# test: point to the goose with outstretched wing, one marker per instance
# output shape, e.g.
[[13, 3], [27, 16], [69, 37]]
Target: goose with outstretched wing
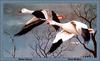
[[69, 30], [37, 19]]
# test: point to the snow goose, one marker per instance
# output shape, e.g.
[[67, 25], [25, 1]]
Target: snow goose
[[70, 29], [37, 19], [59, 39]]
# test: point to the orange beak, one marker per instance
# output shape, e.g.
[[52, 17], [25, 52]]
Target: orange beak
[[60, 17], [91, 30]]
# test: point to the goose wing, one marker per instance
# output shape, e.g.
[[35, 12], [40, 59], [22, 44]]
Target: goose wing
[[29, 25], [85, 34], [55, 18], [84, 31], [59, 39]]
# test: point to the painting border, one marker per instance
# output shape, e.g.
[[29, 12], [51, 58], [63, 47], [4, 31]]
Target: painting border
[[49, 2]]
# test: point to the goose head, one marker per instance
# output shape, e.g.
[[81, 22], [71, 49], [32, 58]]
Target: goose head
[[24, 10]]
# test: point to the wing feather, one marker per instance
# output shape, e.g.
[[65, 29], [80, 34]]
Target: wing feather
[[55, 18], [59, 39], [29, 26]]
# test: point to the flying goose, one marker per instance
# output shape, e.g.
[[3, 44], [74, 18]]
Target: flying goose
[[37, 19], [69, 30]]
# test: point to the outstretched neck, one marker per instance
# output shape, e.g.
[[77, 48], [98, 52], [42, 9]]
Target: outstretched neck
[[30, 11], [55, 23], [58, 24]]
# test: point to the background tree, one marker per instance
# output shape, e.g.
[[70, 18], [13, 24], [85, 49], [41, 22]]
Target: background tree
[[43, 41], [12, 52], [87, 14]]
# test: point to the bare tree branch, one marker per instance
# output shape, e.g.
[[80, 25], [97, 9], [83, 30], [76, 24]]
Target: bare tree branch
[[37, 51], [8, 52], [93, 18], [13, 45], [43, 42], [88, 16], [85, 46]]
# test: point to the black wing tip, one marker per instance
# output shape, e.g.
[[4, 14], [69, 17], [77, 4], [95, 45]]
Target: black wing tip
[[54, 46], [49, 52], [17, 35], [87, 40], [20, 33], [86, 35], [56, 27]]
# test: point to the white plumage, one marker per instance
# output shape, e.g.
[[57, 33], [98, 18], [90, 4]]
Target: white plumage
[[69, 30], [38, 15], [62, 35]]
